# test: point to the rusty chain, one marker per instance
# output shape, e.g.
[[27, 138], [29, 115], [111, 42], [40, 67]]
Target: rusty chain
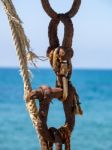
[[60, 60]]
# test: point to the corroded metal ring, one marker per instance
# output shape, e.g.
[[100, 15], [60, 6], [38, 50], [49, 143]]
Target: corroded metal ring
[[52, 33], [44, 94], [68, 31], [72, 12]]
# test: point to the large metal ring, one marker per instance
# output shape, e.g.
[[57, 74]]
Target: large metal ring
[[45, 95], [72, 12], [68, 31]]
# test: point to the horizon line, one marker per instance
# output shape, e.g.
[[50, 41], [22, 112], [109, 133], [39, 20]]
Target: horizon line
[[33, 68]]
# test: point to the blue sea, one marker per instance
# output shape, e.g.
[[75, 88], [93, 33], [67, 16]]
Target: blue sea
[[93, 130]]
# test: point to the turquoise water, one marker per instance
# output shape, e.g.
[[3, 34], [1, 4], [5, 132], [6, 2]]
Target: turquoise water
[[93, 131]]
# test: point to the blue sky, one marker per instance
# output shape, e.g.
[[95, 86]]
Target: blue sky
[[92, 40]]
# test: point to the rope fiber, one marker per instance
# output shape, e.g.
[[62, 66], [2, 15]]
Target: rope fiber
[[22, 46]]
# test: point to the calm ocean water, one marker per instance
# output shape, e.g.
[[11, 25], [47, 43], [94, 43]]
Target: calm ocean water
[[93, 131]]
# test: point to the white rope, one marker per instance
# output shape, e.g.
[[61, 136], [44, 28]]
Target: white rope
[[22, 47]]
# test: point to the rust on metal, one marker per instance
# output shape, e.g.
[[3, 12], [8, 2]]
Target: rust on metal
[[60, 59]]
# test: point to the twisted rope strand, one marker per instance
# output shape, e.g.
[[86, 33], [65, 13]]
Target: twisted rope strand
[[22, 44]]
